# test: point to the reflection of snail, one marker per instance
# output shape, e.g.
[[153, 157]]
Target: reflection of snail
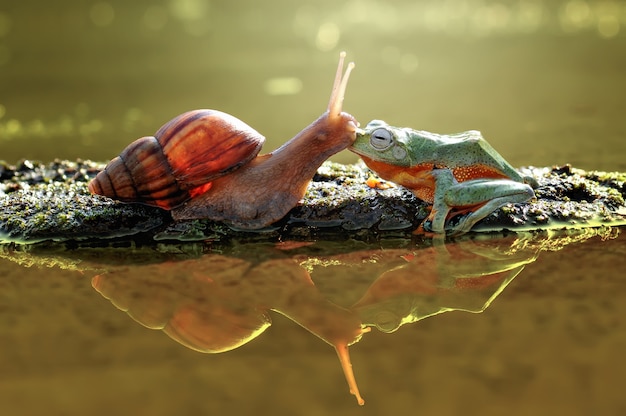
[[203, 315], [208, 306], [208, 159]]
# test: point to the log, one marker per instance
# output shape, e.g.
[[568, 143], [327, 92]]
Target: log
[[40, 202]]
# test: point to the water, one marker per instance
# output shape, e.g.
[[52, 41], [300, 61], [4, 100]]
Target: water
[[75, 327], [542, 82]]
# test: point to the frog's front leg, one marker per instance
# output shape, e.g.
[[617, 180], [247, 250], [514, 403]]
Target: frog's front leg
[[480, 197], [444, 180]]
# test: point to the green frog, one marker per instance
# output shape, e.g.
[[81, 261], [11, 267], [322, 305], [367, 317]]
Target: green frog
[[457, 174]]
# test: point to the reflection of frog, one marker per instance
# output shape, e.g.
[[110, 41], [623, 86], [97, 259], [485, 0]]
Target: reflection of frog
[[465, 276], [457, 174]]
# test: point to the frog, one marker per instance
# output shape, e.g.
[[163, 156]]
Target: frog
[[459, 175]]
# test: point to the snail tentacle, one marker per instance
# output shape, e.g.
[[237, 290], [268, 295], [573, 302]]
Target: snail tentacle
[[339, 87]]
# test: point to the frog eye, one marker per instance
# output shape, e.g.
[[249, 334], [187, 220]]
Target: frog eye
[[381, 139]]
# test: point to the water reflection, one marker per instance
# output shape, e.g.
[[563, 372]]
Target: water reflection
[[215, 300]]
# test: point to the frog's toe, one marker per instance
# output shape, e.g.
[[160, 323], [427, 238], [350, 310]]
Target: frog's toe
[[460, 224], [529, 180]]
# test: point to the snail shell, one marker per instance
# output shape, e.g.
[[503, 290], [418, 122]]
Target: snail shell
[[180, 160]]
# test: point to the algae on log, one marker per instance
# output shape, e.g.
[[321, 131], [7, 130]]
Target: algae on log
[[51, 202]]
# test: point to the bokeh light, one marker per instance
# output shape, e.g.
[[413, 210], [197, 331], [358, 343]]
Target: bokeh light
[[106, 71], [102, 14]]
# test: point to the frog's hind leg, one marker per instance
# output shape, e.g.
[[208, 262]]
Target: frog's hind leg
[[491, 194], [466, 223]]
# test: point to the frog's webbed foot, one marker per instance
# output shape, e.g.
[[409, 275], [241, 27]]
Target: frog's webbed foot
[[436, 221]]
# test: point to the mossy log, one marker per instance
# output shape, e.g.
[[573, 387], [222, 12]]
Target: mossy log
[[41, 202]]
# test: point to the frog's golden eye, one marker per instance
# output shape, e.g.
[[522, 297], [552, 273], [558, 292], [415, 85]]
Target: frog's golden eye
[[381, 139]]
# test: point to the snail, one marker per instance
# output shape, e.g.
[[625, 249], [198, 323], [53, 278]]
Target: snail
[[204, 164]]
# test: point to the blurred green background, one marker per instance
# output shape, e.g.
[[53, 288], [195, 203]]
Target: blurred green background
[[543, 80]]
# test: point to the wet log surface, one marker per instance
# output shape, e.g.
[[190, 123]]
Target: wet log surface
[[41, 202]]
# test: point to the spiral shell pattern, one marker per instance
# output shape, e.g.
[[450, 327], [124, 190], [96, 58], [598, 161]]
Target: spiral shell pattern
[[184, 156]]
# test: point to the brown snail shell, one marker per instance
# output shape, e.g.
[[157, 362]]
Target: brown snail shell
[[180, 160]]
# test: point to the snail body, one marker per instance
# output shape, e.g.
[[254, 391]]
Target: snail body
[[204, 164]]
